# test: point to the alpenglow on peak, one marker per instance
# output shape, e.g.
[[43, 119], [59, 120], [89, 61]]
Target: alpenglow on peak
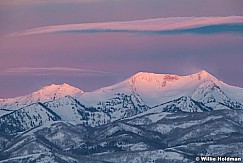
[[58, 91], [146, 76]]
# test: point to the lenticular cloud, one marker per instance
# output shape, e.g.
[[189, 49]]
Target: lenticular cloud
[[160, 25]]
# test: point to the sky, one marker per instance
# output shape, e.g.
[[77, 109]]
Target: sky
[[103, 42]]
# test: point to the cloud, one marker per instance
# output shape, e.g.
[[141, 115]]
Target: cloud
[[173, 25], [52, 71]]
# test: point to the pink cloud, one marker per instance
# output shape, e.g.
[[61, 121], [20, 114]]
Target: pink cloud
[[149, 25], [50, 71]]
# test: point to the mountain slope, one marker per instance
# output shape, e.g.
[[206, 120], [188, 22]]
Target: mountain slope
[[26, 118], [211, 95], [159, 137], [70, 110], [182, 104]]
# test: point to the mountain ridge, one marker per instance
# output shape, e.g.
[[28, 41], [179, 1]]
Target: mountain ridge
[[147, 117], [141, 92], [203, 74], [153, 89]]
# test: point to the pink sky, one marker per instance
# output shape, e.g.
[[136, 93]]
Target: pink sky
[[102, 59]]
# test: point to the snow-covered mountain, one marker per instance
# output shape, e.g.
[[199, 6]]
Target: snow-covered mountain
[[143, 91], [157, 88], [45, 94], [155, 137], [141, 114]]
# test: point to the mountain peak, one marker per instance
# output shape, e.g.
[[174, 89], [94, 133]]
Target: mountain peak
[[56, 86], [204, 75], [203, 72], [148, 84], [47, 93], [58, 90]]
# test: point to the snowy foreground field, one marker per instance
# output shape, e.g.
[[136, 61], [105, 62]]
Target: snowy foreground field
[[146, 118]]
